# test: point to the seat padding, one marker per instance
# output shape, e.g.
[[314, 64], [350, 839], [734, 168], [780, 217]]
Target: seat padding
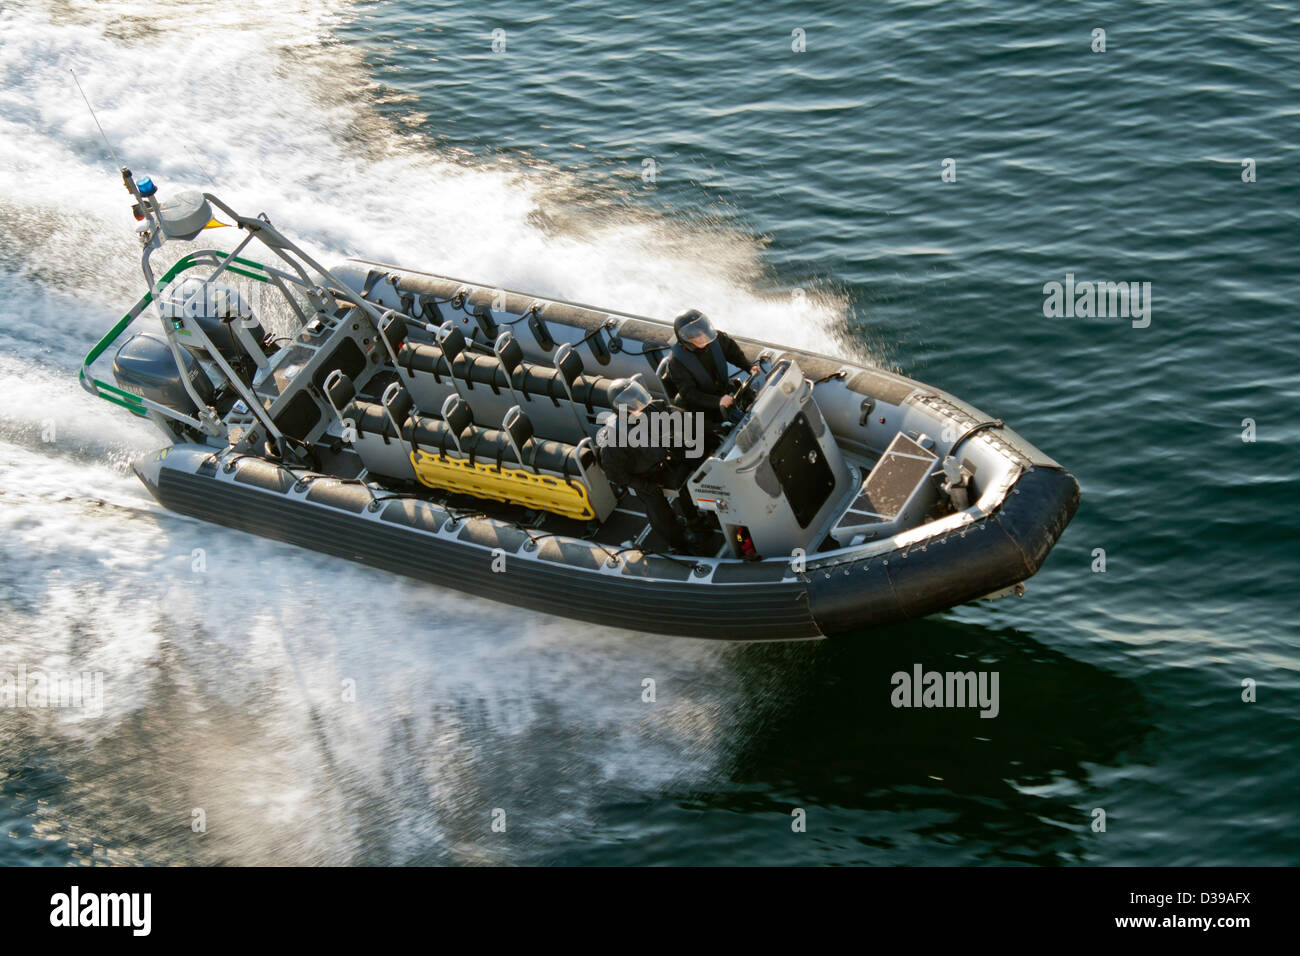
[[369, 418], [529, 379]]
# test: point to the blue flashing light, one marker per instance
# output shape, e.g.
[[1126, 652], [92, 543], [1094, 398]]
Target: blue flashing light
[[146, 187]]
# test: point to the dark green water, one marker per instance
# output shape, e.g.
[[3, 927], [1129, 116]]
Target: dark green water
[[395, 131]]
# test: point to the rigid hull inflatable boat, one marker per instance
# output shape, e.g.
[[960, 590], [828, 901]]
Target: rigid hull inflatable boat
[[450, 432]]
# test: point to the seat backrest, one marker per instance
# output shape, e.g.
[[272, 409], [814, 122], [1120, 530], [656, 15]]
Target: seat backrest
[[509, 351], [518, 429], [394, 330], [398, 402], [457, 415], [452, 340], [339, 390], [569, 364]]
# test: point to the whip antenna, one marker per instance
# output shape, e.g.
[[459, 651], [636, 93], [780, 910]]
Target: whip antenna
[[95, 118]]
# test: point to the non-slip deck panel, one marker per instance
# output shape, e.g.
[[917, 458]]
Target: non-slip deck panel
[[745, 612], [994, 552]]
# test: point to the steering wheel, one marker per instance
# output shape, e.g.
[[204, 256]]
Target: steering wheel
[[741, 389]]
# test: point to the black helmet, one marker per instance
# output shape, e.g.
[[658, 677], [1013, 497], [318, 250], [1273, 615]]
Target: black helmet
[[630, 392], [692, 324]]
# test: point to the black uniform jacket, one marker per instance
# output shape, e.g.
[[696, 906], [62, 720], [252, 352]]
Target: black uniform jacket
[[698, 375], [641, 469]]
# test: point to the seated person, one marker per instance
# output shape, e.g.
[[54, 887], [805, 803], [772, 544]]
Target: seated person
[[698, 369], [648, 470]]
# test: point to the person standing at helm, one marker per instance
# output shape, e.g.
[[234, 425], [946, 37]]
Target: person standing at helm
[[698, 369], [649, 469]]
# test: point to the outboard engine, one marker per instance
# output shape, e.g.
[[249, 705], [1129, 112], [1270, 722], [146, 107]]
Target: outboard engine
[[146, 366]]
